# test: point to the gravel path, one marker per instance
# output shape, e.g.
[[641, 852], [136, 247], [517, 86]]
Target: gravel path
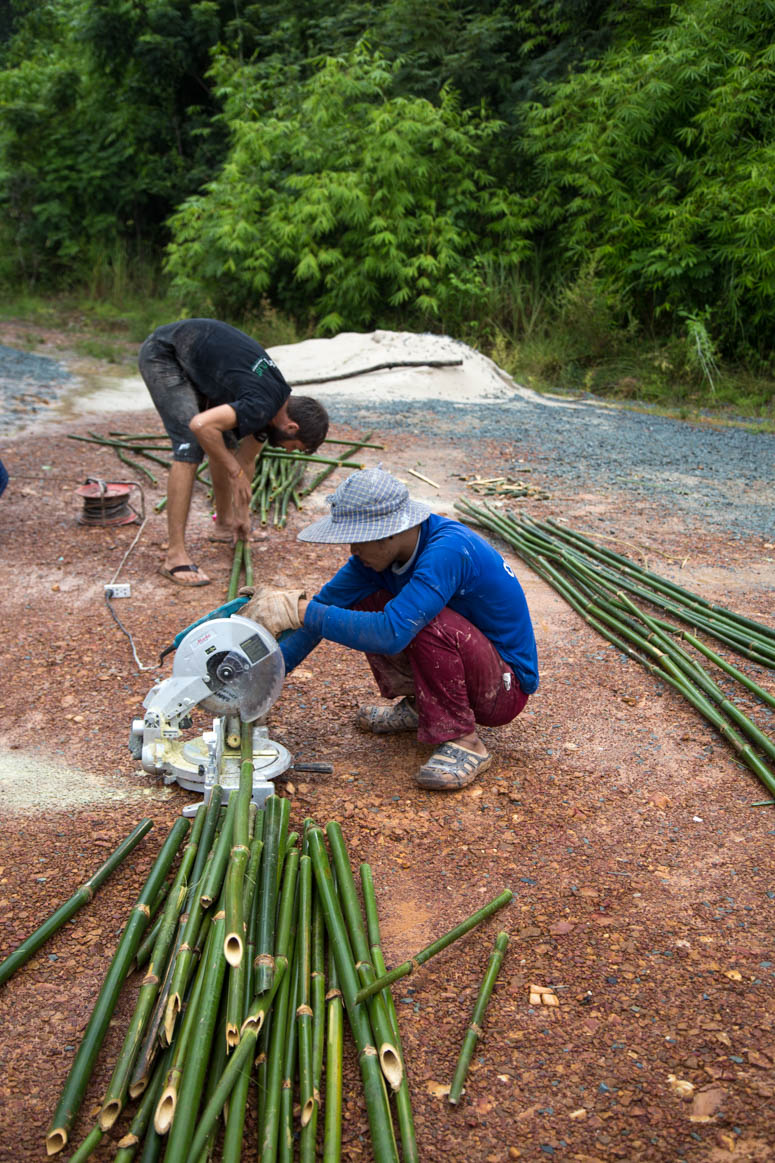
[[720, 477]]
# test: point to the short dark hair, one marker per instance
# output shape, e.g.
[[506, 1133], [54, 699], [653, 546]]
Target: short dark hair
[[312, 419]]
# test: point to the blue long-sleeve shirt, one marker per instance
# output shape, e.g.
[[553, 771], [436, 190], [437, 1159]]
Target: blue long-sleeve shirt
[[452, 566]]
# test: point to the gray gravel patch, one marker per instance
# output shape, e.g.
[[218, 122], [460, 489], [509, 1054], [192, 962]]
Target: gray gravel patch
[[28, 383], [722, 478]]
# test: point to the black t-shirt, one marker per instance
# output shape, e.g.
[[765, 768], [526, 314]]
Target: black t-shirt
[[228, 367]]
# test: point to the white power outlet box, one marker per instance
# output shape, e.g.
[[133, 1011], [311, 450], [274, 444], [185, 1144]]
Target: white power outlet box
[[121, 590]]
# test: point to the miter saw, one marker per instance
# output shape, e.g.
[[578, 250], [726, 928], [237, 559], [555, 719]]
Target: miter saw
[[233, 668]]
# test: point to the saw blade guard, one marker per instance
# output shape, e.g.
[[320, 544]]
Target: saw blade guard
[[240, 663]]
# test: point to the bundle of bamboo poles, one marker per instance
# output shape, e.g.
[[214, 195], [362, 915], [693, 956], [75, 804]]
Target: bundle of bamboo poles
[[258, 952], [601, 586], [278, 480]]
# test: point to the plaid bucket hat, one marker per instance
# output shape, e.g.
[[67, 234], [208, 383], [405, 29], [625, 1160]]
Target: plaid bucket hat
[[369, 505]]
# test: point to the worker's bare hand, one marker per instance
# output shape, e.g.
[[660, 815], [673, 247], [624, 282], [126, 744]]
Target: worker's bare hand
[[277, 610], [242, 526]]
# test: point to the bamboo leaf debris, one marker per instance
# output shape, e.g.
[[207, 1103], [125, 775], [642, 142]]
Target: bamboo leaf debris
[[262, 934], [664, 630]]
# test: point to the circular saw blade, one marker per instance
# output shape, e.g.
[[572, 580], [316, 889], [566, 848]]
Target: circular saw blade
[[240, 662]]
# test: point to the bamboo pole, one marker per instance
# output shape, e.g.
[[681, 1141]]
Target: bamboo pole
[[436, 946], [404, 1114], [142, 1122], [236, 570], [308, 1137], [474, 1031], [382, 1134], [168, 1099], [389, 1058], [83, 896], [332, 1125], [116, 1093], [264, 964], [238, 1062], [195, 1067], [303, 1007], [80, 1072]]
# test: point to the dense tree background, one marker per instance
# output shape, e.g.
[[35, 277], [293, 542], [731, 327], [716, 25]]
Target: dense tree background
[[422, 163]]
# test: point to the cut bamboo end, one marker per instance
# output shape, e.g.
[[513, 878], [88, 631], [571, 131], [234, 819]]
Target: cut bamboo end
[[308, 1110], [128, 1141], [233, 949], [165, 1110], [109, 1114], [173, 1008], [138, 1087], [232, 1035], [56, 1140], [392, 1067]]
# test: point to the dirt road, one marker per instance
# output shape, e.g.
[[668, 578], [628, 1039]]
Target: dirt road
[[643, 892]]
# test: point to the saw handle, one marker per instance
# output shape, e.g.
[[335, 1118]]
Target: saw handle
[[224, 611]]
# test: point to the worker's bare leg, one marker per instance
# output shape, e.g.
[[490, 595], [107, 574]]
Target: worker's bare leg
[[224, 508], [180, 485]]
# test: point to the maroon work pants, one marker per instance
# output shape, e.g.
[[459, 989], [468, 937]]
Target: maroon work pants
[[455, 673]]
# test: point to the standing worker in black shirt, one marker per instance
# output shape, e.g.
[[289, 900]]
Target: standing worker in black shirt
[[219, 394]]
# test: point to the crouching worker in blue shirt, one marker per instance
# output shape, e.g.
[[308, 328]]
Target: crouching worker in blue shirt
[[439, 614]]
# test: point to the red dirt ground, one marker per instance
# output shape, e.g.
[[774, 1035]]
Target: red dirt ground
[[642, 875]]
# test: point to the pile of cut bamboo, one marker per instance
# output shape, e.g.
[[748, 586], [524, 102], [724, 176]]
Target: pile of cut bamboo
[[600, 585], [259, 949]]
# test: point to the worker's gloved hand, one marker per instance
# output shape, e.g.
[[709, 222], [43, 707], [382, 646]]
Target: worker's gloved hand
[[278, 610]]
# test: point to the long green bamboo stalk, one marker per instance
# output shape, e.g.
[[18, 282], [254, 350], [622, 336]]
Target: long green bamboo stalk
[[389, 1058], [303, 1007], [289, 1054], [404, 1114], [264, 964], [474, 1031], [63, 914], [80, 1072], [116, 1093], [269, 1129], [236, 570], [168, 1099], [436, 946], [334, 1053], [143, 1116], [382, 1134], [308, 1137], [194, 1070], [239, 1060]]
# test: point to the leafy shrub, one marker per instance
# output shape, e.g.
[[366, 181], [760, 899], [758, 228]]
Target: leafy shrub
[[346, 204]]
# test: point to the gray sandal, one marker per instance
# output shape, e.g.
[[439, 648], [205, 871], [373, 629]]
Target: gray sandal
[[401, 716], [450, 767]]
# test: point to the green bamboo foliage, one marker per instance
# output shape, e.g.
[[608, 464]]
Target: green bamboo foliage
[[83, 896], [435, 947], [474, 1031], [80, 1072]]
